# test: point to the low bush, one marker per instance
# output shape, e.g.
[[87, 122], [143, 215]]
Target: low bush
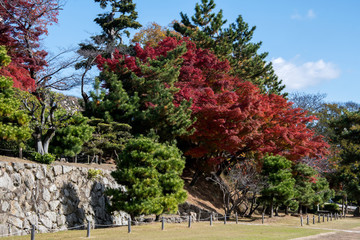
[[332, 207], [93, 173], [47, 158]]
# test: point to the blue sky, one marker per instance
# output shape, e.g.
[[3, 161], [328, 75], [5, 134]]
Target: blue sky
[[314, 45]]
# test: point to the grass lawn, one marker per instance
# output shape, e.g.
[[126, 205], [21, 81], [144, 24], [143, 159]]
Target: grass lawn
[[277, 228]]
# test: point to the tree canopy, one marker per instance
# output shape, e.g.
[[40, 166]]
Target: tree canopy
[[206, 29]]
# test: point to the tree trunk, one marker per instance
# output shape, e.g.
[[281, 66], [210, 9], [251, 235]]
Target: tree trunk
[[346, 205], [286, 210], [195, 177], [277, 211], [48, 137], [39, 146], [271, 208]]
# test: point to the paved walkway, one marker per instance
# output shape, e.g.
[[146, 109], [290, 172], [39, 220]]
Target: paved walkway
[[338, 234]]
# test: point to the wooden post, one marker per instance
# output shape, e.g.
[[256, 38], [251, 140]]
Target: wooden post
[[319, 218], [236, 218], [313, 219], [307, 219], [225, 218], [32, 232], [88, 159], [162, 223], [20, 153], [211, 220], [189, 221], [129, 225], [88, 229], [301, 220], [262, 218]]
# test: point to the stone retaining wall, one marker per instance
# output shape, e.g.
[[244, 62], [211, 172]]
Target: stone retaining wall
[[52, 197]]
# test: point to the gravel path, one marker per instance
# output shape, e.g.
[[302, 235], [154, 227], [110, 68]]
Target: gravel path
[[336, 235]]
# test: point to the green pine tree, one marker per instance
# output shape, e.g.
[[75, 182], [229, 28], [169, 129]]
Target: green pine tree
[[277, 172], [310, 189], [114, 25], [150, 172], [108, 139], [233, 43], [345, 134], [69, 140], [145, 102]]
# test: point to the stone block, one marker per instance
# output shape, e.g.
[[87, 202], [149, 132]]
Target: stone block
[[5, 206], [46, 195], [29, 179], [40, 174], [6, 182], [16, 179], [16, 210], [42, 229], [46, 221], [18, 166], [66, 169], [51, 216], [9, 168], [57, 170], [3, 218], [54, 205], [15, 221], [60, 220]]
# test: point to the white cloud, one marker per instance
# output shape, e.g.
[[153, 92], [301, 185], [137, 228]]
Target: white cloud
[[299, 76], [309, 15]]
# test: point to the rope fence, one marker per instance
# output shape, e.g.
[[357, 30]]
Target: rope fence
[[187, 218]]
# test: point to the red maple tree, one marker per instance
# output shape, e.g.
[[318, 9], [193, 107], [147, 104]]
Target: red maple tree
[[233, 117], [22, 24]]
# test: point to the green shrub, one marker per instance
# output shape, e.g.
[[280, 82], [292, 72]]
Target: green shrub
[[93, 173], [47, 158], [332, 207]]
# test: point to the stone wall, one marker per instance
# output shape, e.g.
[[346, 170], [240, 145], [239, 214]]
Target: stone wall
[[52, 197]]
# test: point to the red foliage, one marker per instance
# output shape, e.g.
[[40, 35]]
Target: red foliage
[[233, 117], [22, 24]]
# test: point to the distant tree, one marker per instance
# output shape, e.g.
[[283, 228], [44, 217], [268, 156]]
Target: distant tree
[[14, 123], [310, 188], [280, 183], [150, 172], [312, 103], [152, 34], [233, 43], [114, 25], [346, 129]]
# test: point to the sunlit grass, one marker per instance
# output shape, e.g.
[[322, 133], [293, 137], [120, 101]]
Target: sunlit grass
[[277, 228]]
